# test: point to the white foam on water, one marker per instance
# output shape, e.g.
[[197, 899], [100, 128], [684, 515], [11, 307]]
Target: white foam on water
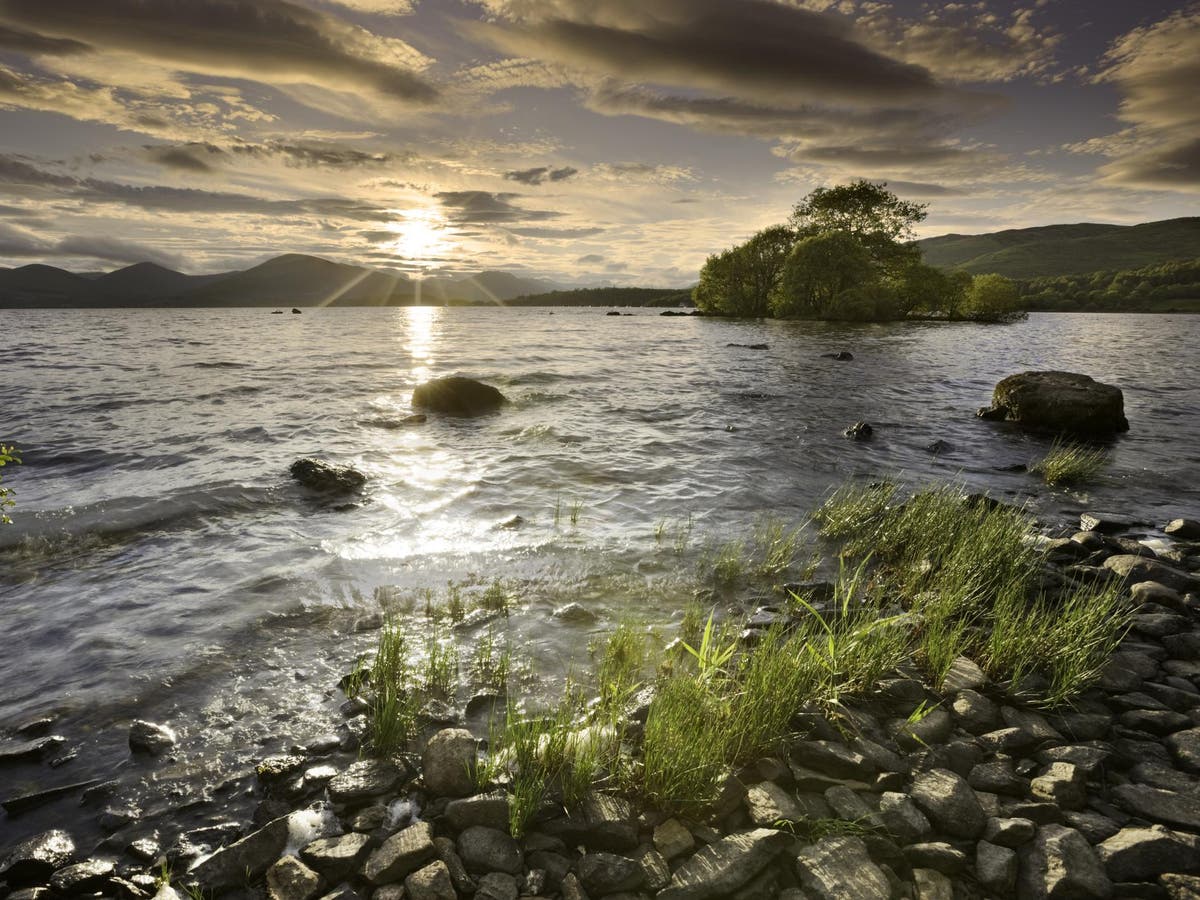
[[308, 825], [401, 813]]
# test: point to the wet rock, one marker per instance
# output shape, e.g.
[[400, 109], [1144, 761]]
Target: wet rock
[[147, 737], [243, 860], [1157, 805], [25, 751], [671, 839], [722, 867], [274, 769], [1061, 402], [937, 855], [83, 878], [1134, 569], [996, 868], [430, 883], [448, 853], [364, 779], [1060, 863], [290, 879], [489, 809], [840, 867], [939, 447], [1185, 749], [949, 802], [401, 854], [457, 396], [448, 763], [489, 850], [326, 478], [607, 873], [860, 431], [496, 886], [25, 802], [1104, 523], [840, 355], [1141, 854], [574, 612], [336, 857], [1184, 529]]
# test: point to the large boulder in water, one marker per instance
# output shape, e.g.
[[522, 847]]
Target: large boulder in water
[[458, 396], [1064, 402], [326, 478]]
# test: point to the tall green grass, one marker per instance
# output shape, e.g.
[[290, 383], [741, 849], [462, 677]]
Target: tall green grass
[[1069, 462]]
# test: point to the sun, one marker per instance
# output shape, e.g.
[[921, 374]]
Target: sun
[[422, 236]]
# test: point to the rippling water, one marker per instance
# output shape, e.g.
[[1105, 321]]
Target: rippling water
[[162, 564]]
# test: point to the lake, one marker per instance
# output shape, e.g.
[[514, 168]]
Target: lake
[[163, 565]]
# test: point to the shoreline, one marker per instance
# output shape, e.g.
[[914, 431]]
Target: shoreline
[[1060, 792]]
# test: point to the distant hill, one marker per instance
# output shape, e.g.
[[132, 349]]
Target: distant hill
[[1055, 250], [289, 280]]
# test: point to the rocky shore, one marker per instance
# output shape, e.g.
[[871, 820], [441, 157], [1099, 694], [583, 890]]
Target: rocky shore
[[908, 790]]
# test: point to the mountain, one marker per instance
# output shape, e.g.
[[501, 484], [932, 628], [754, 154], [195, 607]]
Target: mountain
[[1055, 250], [289, 280]]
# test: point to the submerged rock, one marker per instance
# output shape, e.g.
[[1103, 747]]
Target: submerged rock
[[147, 737], [1063, 402], [35, 860], [860, 431], [840, 356], [458, 396], [327, 478]]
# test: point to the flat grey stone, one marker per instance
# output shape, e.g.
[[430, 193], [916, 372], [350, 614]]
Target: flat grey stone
[[401, 854], [336, 857], [1142, 854], [244, 860], [290, 879], [719, 869], [949, 802], [1157, 805], [840, 867], [996, 868], [364, 779], [1059, 863], [432, 882], [486, 850]]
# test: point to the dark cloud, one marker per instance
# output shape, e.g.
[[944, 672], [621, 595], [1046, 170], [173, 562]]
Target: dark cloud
[[185, 158], [18, 243], [552, 233], [261, 40], [541, 174], [33, 43], [752, 49], [335, 156], [487, 208], [1176, 166], [590, 259]]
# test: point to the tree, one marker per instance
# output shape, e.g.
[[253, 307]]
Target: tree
[[990, 297], [871, 213], [739, 281], [817, 272], [7, 455]]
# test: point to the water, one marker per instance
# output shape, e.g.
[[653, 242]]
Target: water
[[163, 565]]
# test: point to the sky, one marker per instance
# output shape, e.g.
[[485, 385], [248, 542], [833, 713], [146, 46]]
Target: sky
[[583, 141]]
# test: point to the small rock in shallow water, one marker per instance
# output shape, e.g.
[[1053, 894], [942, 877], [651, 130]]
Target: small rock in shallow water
[[147, 737], [859, 431], [326, 478], [34, 860], [574, 612], [1185, 529]]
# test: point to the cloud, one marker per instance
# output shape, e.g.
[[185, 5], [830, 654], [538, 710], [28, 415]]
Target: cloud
[[556, 233], [31, 43], [540, 175], [590, 259], [487, 208], [379, 7], [1156, 69], [187, 158], [272, 41], [645, 173], [18, 243]]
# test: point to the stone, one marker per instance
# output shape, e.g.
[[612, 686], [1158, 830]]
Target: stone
[[448, 763], [1185, 749], [244, 860], [1183, 646], [847, 804], [1145, 592], [1157, 805], [937, 855], [326, 478], [934, 728], [859, 431], [932, 885], [1062, 783], [490, 809], [1133, 569], [1009, 832], [768, 804], [834, 759], [447, 852], [401, 854], [1086, 759], [607, 873], [721, 868], [26, 751], [900, 816], [571, 889], [149, 738], [996, 776], [839, 867], [963, 675], [1184, 529], [364, 779], [656, 874], [1154, 721], [457, 396], [1094, 826], [1141, 854], [85, 877], [672, 839], [996, 868], [574, 612], [974, 712], [1009, 740], [949, 802], [336, 857], [1059, 402], [496, 886], [432, 882], [277, 768], [611, 822], [1103, 523], [489, 850], [290, 879], [1059, 863], [1180, 887]]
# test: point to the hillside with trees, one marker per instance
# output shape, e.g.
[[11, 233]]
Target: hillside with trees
[[1168, 287], [846, 253]]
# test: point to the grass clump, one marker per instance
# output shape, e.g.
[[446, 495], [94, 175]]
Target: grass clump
[[729, 563], [1070, 462], [394, 703], [686, 746], [775, 546], [622, 659], [492, 662]]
